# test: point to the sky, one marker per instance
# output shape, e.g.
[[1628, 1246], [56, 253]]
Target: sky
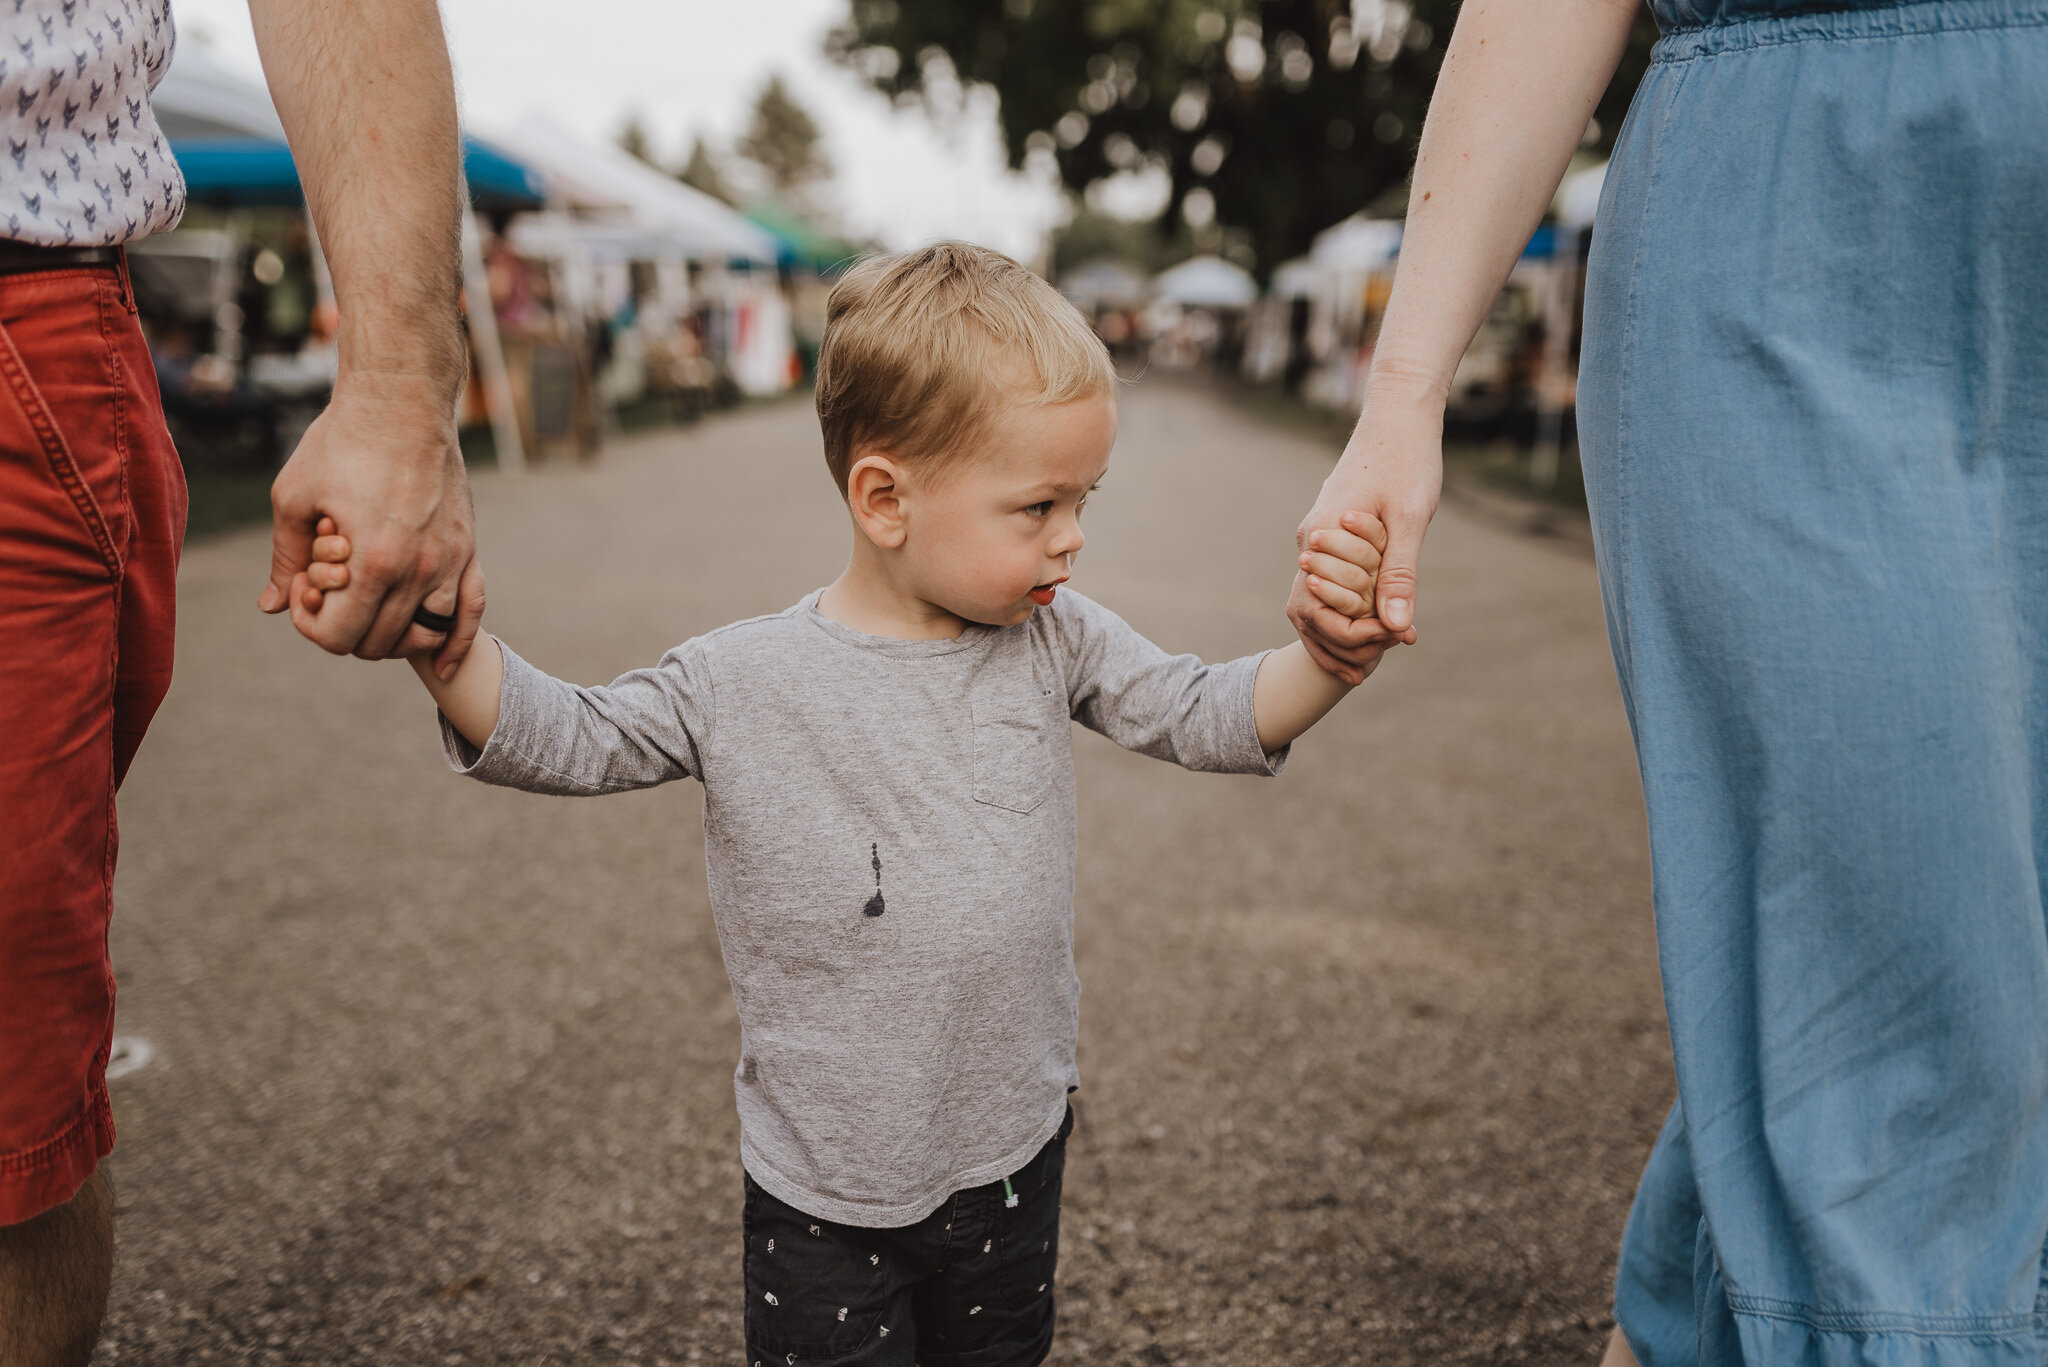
[[694, 66]]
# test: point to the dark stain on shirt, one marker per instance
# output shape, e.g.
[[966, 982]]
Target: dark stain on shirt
[[875, 906]]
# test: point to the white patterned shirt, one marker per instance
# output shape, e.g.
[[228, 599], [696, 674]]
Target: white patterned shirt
[[86, 164]]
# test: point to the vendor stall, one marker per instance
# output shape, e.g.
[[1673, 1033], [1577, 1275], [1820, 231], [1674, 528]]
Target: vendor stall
[[1320, 321], [1198, 313], [680, 293], [237, 301]]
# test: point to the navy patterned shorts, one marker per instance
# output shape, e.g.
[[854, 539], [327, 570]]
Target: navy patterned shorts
[[970, 1285]]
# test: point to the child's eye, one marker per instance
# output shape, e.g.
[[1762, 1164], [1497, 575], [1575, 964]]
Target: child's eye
[[1040, 509]]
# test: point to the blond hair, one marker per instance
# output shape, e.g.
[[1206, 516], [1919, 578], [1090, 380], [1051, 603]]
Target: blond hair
[[922, 346]]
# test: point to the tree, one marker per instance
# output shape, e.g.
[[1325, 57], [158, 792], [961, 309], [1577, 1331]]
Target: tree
[[1289, 114], [1088, 235], [633, 138], [703, 172], [783, 141], [1147, 245]]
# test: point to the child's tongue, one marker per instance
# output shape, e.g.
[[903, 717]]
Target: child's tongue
[[1043, 597]]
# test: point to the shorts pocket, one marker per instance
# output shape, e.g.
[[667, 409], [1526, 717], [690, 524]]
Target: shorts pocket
[[1013, 751], [33, 434], [814, 1289]]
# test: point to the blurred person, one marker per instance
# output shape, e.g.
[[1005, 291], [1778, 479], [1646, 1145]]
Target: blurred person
[[516, 288], [1815, 439], [92, 515], [889, 811], [1114, 327]]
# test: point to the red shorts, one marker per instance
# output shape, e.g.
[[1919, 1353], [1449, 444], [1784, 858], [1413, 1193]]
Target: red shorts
[[92, 514]]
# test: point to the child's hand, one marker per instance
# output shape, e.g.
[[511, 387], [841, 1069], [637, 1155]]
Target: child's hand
[[329, 571], [1342, 565]]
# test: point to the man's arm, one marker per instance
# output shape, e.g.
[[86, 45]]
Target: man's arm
[[367, 99]]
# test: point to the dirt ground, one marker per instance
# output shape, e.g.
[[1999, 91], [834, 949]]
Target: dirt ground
[[1372, 1054]]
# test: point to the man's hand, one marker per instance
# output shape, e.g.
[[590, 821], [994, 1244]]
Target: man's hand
[[383, 463], [1386, 484], [367, 100]]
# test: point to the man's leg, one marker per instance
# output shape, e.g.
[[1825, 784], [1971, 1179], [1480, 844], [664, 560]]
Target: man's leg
[[54, 1271], [92, 511]]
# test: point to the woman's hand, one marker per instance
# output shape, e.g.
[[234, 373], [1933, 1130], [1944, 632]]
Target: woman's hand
[[1391, 471]]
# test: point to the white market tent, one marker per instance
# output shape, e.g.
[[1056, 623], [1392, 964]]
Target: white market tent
[[1357, 246], [1578, 198], [1207, 282], [1334, 279], [607, 207], [203, 97], [1295, 279], [1106, 282], [639, 205]]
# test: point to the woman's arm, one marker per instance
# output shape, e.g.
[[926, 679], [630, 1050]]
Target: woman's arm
[[1519, 81]]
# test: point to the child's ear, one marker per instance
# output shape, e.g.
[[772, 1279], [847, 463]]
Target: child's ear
[[874, 493]]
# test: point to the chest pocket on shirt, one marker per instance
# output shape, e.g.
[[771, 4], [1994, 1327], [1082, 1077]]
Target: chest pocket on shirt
[[1013, 750]]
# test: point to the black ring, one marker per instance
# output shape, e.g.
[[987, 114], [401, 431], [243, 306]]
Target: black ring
[[433, 621]]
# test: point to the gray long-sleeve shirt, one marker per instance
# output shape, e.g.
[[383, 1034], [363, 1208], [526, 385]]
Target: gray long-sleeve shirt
[[889, 834]]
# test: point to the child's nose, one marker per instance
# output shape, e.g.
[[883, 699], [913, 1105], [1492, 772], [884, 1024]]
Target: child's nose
[[1067, 541]]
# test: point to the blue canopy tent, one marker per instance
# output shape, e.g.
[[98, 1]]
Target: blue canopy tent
[[226, 136], [252, 172], [232, 148], [225, 133]]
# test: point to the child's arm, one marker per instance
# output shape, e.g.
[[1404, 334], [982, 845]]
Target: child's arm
[[1291, 694], [1235, 717], [469, 699], [529, 731]]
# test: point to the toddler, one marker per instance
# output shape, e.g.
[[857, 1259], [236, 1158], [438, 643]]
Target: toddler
[[889, 811]]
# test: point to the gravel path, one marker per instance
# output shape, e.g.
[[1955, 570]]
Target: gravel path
[[442, 1074]]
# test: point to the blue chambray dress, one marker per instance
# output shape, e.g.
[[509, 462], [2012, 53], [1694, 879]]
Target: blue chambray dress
[[1814, 416]]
